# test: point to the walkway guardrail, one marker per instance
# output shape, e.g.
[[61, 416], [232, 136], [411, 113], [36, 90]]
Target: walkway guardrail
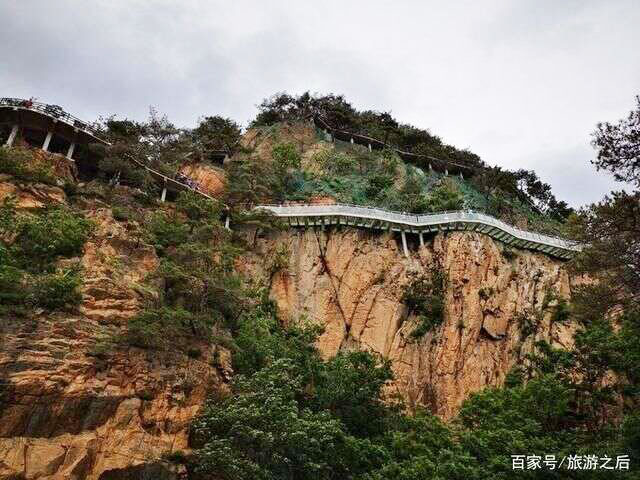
[[53, 111], [371, 217]]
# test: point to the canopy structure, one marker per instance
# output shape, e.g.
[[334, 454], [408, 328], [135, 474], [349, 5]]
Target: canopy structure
[[50, 124]]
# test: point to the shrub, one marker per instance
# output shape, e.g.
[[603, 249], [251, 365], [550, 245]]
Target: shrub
[[128, 173], [446, 196], [279, 260], [12, 286], [22, 164], [424, 297], [561, 311], [159, 328], [54, 232], [164, 231], [58, 291], [121, 214], [378, 183], [286, 155]]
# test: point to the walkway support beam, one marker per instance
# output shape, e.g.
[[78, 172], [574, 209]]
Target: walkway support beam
[[404, 244], [47, 140], [72, 148], [12, 135]]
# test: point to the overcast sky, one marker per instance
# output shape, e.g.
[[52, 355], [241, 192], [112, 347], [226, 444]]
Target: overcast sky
[[521, 83]]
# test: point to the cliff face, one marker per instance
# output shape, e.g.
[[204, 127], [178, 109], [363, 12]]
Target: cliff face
[[352, 282], [72, 404]]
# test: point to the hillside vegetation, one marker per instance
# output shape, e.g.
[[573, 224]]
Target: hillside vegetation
[[287, 412]]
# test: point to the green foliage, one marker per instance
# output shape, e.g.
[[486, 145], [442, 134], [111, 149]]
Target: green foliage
[[561, 311], [28, 275], [122, 214], [424, 297], [23, 165], [412, 197], [286, 156], [13, 290], [54, 232], [58, 291], [199, 288], [446, 196], [215, 134], [617, 147], [378, 183], [165, 327], [350, 386], [198, 208], [165, 231], [124, 169], [260, 340], [262, 431]]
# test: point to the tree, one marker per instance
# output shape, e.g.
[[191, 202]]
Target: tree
[[264, 432], [618, 147], [214, 134]]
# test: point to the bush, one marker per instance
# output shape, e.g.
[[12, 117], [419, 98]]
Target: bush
[[424, 297], [164, 231], [378, 183], [286, 155], [12, 286], [446, 196], [22, 164], [121, 214], [58, 291], [163, 327], [128, 173], [53, 233]]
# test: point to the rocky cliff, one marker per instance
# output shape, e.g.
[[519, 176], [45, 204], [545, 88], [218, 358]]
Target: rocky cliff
[[72, 405], [497, 304]]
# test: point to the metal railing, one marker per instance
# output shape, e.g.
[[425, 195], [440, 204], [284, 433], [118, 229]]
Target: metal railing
[[53, 111], [420, 222]]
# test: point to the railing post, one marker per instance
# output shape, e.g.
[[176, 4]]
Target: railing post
[[12, 135], [163, 195]]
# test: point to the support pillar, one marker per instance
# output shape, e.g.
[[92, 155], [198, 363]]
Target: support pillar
[[47, 141], [446, 171], [461, 176], [369, 147], [72, 148], [421, 240], [12, 135], [404, 244], [351, 139], [163, 195], [227, 221], [430, 168]]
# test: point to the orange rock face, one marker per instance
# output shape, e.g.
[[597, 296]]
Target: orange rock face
[[210, 179], [352, 282], [74, 405], [30, 195]]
